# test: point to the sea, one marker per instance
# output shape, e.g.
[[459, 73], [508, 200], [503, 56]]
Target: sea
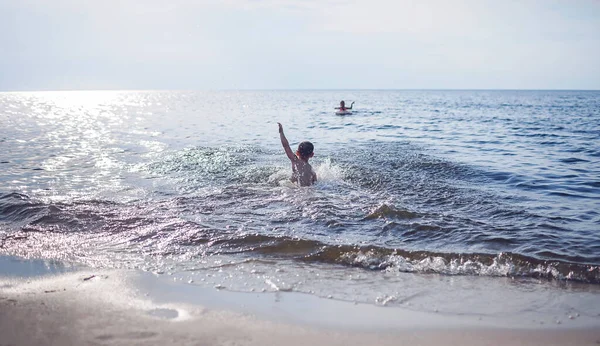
[[428, 199]]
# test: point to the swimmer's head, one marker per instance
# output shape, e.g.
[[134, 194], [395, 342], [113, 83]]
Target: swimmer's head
[[305, 150]]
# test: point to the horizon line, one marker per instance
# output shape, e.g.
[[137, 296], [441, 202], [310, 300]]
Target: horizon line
[[292, 89]]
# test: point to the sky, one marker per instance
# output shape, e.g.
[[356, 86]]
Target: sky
[[299, 44]]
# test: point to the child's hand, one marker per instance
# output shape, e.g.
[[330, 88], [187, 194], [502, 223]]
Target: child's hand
[[280, 127]]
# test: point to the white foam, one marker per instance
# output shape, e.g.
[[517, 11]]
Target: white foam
[[328, 171]]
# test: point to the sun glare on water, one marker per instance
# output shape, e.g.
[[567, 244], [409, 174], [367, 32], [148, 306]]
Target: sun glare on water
[[87, 99]]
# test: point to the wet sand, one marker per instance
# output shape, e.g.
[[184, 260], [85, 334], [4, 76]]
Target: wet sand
[[135, 308]]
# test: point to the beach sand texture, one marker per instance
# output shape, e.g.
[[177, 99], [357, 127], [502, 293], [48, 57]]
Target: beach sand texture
[[128, 308]]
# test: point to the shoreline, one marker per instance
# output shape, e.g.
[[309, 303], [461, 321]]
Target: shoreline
[[125, 307]]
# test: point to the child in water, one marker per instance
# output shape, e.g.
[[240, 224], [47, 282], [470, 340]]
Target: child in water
[[342, 106], [302, 172]]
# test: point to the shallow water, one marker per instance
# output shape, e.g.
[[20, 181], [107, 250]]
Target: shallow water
[[418, 183]]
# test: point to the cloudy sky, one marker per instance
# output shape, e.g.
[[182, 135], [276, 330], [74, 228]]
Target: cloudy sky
[[299, 44]]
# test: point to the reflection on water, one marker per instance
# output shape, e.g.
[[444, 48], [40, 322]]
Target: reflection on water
[[17, 267], [459, 183]]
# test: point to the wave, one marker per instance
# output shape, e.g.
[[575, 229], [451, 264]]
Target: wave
[[73, 230], [573, 160], [502, 264], [380, 202], [370, 258], [386, 211], [16, 207]]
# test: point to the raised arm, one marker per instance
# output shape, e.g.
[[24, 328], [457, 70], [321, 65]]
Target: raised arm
[[352, 104], [286, 145]]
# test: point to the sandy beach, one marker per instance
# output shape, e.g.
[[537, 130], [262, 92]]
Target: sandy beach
[[96, 307]]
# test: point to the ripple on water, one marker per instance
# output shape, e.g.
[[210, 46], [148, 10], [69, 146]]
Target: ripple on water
[[454, 183]]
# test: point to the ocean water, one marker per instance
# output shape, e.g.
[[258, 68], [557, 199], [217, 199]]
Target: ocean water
[[416, 188]]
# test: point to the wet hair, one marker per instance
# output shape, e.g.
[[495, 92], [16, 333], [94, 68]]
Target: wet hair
[[305, 149]]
